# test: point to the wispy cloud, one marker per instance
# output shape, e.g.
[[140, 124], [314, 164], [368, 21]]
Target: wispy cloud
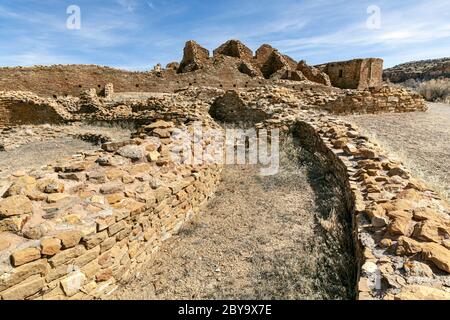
[[129, 5], [139, 33]]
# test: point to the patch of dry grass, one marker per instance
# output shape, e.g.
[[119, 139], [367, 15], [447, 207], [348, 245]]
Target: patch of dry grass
[[262, 237], [435, 90]]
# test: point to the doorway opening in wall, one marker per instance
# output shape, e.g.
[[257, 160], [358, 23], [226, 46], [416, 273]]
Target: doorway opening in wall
[[341, 73]]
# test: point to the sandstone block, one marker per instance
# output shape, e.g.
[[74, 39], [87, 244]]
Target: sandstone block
[[50, 246], [113, 229], [153, 156], [421, 292], [107, 244], [23, 290], [73, 283], [437, 254], [94, 239], [111, 187], [22, 273], [87, 257], [15, 205], [132, 152], [69, 238], [23, 256], [50, 186], [66, 256]]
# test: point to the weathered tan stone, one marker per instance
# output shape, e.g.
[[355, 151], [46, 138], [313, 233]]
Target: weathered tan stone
[[408, 246], [111, 187], [420, 292], [91, 269], [94, 239], [427, 231], [55, 197], [401, 226], [15, 205], [69, 238], [24, 185], [73, 283], [115, 198], [66, 256], [367, 153], [13, 224], [50, 186], [23, 256], [23, 290], [105, 222], [50, 246], [113, 229], [437, 254], [153, 156], [20, 274], [107, 244], [114, 174], [104, 275], [87, 257]]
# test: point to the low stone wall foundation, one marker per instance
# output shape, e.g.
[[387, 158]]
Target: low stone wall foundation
[[79, 228], [401, 227]]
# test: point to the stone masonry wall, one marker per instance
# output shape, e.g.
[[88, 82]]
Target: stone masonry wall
[[25, 108], [401, 227], [75, 79], [355, 74], [77, 228], [377, 100]]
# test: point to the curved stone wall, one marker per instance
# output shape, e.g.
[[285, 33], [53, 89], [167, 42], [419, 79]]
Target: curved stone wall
[[77, 228], [18, 108], [401, 227]]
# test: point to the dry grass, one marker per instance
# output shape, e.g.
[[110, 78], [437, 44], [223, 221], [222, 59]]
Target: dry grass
[[275, 237], [436, 90]]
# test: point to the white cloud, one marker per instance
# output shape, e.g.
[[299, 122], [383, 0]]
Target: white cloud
[[130, 5]]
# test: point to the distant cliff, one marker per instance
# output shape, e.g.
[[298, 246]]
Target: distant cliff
[[419, 70]]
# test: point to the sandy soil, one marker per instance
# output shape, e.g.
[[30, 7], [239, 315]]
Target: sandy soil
[[420, 139], [275, 237], [40, 153], [31, 147]]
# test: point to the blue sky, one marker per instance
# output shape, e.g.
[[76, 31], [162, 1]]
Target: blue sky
[[137, 34]]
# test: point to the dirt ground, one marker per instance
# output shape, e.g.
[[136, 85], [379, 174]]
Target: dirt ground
[[31, 147], [274, 237], [38, 154], [419, 139]]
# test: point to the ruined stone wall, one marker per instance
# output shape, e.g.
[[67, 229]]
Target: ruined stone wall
[[82, 225], [371, 73], [73, 80], [232, 66], [355, 74], [18, 108], [401, 227], [377, 100]]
